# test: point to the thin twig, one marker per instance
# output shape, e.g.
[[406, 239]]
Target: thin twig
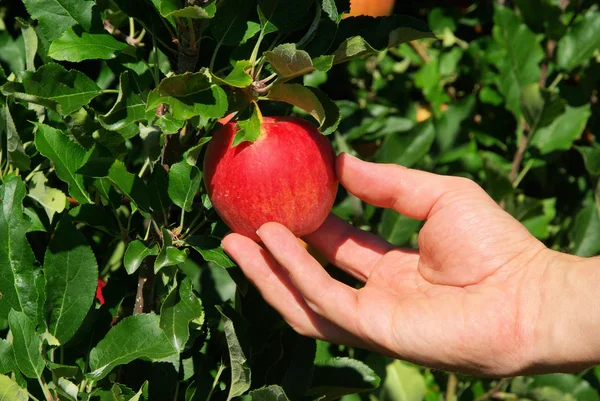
[[421, 51], [490, 393], [550, 46], [129, 39], [451, 387], [518, 158], [145, 284], [527, 134]]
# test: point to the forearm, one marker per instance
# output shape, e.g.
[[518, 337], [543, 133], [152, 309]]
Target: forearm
[[568, 332]]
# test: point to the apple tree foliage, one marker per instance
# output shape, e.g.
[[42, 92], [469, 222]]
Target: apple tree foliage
[[113, 285]]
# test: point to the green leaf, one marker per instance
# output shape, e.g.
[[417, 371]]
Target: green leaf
[[230, 26], [175, 317], [565, 129], [586, 232], [408, 148], [579, 44], [300, 370], [135, 337], [169, 255], [52, 200], [36, 223], [210, 249], [403, 383], [489, 95], [195, 12], [396, 228], [135, 254], [27, 345], [539, 224], [522, 55], [184, 183], [69, 89], [540, 106], [63, 370], [158, 187], [7, 358], [17, 91], [191, 155], [289, 62], [311, 100], [166, 123], [12, 52], [67, 389], [17, 261], [334, 8], [101, 163], [238, 77], [141, 395], [147, 15], [450, 124], [282, 15], [67, 157], [555, 387], [249, 129], [78, 46], [31, 43], [269, 393], [362, 36], [542, 16], [11, 391], [97, 216], [2, 76], [429, 80], [340, 376], [497, 180], [591, 157], [129, 108], [56, 16], [71, 273], [240, 372], [130, 184], [16, 153], [189, 95]]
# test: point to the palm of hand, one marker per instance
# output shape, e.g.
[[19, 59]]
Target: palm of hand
[[460, 295], [458, 303]]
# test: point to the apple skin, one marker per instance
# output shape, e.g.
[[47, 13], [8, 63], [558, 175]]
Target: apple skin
[[286, 176], [372, 8]]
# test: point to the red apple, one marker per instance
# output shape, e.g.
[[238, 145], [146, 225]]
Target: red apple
[[286, 176], [372, 8]]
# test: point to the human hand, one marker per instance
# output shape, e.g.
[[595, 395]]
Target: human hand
[[468, 300]]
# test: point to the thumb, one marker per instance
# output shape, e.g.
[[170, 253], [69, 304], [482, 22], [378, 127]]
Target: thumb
[[412, 193]]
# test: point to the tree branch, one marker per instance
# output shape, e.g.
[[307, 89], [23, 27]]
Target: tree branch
[[145, 289], [524, 143]]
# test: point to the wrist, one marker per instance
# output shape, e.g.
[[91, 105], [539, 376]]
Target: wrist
[[566, 329]]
